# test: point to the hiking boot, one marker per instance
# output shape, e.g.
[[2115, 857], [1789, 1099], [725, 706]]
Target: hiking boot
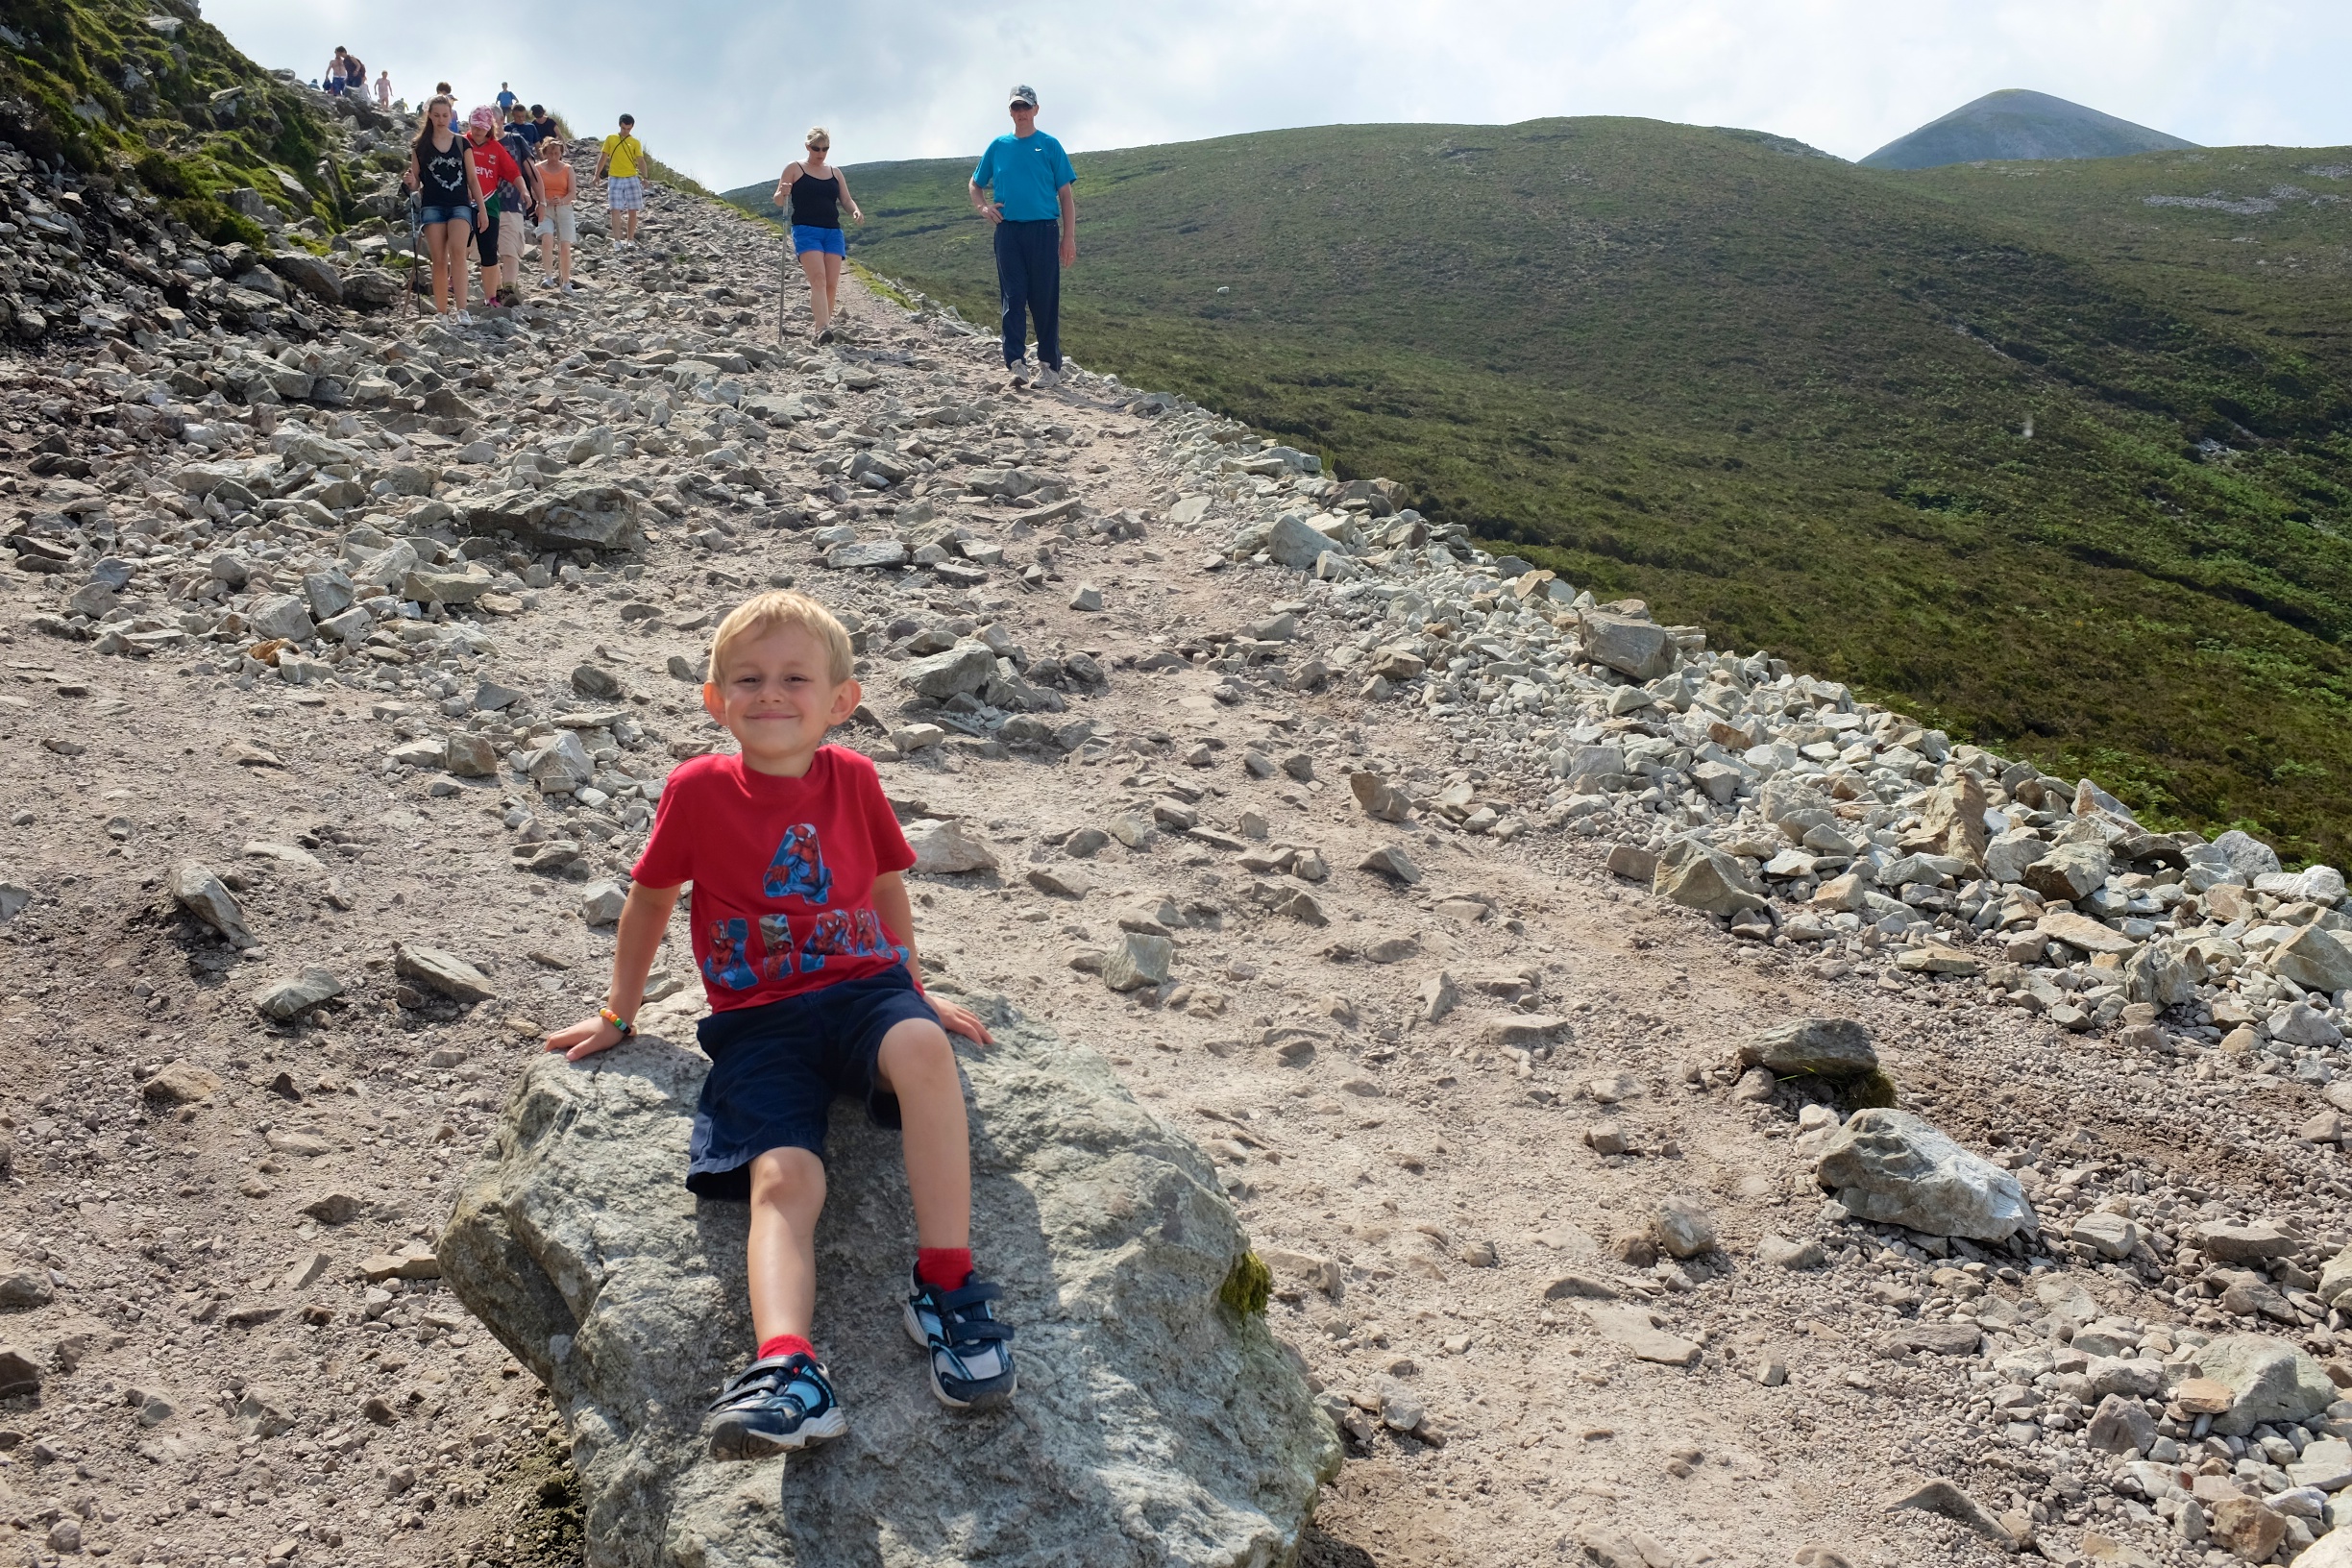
[[972, 1354], [776, 1405], [511, 297]]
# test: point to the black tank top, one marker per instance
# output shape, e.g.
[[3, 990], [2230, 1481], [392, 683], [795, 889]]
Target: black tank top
[[441, 176], [816, 203]]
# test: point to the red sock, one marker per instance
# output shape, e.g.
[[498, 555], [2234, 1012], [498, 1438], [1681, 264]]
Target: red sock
[[786, 1344], [946, 1267]]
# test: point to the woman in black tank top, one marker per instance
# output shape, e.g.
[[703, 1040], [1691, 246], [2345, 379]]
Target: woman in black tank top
[[448, 199], [818, 193]]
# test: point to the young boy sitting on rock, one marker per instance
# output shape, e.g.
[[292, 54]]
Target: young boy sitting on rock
[[806, 944]]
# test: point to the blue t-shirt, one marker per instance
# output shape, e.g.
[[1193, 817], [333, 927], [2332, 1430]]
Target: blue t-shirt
[[1023, 174], [505, 101]]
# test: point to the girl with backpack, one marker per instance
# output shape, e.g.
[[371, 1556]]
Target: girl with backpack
[[448, 195]]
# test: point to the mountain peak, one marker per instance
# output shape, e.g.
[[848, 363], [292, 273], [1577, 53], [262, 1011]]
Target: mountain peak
[[2015, 123]]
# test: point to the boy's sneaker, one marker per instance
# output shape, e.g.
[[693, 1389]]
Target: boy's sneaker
[[971, 1356], [776, 1406], [1019, 373], [1048, 376]]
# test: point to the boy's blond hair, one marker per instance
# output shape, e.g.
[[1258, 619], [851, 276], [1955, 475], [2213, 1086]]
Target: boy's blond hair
[[764, 613]]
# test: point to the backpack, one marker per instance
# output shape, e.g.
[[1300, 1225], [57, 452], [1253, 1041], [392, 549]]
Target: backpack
[[514, 197]]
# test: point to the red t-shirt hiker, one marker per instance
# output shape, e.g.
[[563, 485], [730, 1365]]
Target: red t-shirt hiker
[[806, 939]]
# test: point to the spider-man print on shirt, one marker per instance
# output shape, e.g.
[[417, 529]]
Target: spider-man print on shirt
[[798, 870], [845, 932], [728, 964]]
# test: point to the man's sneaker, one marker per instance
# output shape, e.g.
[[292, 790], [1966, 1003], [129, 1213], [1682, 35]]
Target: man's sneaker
[[1048, 376], [971, 1356], [1019, 373], [775, 1406]]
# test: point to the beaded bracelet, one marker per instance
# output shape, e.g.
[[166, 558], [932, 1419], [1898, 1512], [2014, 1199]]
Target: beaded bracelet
[[619, 1023]]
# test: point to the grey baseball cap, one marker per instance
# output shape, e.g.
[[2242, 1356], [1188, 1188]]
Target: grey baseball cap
[[1025, 95]]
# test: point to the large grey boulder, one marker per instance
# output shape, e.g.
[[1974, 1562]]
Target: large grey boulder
[[1155, 1422], [2268, 1379], [1637, 650], [568, 515], [307, 273], [1893, 1168], [964, 667]]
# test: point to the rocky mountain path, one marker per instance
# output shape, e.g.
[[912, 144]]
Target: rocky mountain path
[[1463, 1081]]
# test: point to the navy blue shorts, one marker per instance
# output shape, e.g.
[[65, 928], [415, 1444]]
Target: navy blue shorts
[[775, 1070]]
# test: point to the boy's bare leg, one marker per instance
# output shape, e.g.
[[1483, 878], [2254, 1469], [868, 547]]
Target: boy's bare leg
[[788, 1190], [919, 1065]]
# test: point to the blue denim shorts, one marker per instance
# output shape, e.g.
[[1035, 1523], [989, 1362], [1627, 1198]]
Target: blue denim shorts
[[426, 215], [828, 240], [776, 1069]]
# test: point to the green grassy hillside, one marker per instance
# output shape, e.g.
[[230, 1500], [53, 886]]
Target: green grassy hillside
[[1787, 398], [145, 92]]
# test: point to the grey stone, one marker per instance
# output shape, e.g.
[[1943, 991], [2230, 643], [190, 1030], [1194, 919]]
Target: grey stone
[[180, 1083], [1439, 996], [428, 586], [1637, 650], [2255, 1245], [262, 1413], [1636, 1331], [282, 616], [865, 554], [2247, 854], [195, 888], [1088, 598], [307, 273], [602, 902], [2081, 931], [24, 1288], [2314, 959], [577, 1245], [1683, 1227], [1777, 1251], [964, 667], [2071, 871], [557, 765], [2128, 1376], [1944, 1498], [444, 972], [2121, 1425], [1838, 1049], [590, 681], [568, 515], [947, 848], [1293, 544], [1136, 962], [15, 897], [2336, 1277], [19, 1373], [329, 593], [2268, 1379], [1378, 797], [1392, 860], [2008, 855], [1699, 876], [291, 997], [2111, 1236], [2298, 1023], [468, 754], [1892, 1167]]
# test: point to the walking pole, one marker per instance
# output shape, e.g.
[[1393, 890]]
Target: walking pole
[[783, 277]]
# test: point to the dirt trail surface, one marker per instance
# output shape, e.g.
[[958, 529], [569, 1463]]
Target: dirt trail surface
[[307, 849]]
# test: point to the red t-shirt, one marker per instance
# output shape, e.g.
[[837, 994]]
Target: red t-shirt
[[494, 164], [783, 872]]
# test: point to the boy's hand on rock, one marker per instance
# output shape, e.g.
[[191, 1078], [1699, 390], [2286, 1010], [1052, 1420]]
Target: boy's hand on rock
[[955, 1019], [584, 1038]]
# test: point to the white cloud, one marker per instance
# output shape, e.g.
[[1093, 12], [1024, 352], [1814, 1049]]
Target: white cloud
[[723, 88]]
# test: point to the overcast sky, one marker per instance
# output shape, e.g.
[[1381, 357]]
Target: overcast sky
[[723, 89]]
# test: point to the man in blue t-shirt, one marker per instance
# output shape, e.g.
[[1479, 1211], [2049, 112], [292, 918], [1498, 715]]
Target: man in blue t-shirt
[[1023, 186]]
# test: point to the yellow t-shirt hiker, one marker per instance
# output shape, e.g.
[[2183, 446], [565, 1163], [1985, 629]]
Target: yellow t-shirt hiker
[[624, 154]]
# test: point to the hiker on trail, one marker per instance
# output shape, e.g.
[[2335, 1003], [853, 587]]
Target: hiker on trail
[[1031, 197], [523, 199], [336, 77], [818, 191], [559, 229], [384, 89], [519, 123], [542, 122], [506, 100], [618, 166], [494, 168], [448, 196], [355, 75], [441, 89]]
